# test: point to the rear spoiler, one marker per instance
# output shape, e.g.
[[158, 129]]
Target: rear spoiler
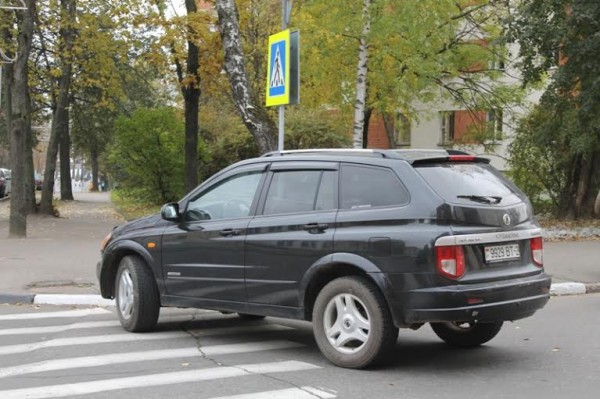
[[451, 158]]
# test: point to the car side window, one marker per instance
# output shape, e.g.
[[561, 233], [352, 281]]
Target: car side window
[[230, 199], [292, 191], [327, 191], [366, 187]]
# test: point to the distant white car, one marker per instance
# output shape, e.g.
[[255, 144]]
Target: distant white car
[[5, 180]]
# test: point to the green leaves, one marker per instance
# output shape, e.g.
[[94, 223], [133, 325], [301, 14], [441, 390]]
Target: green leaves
[[145, 156]]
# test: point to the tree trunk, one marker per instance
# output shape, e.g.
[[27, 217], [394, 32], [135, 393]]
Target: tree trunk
[[7, 77], [60, 115], [583, 185], [94, 159], [30, 206], [365, 135], [253, 114], [66, 188], [361, 77], [388, 123], [191, 97], [21, 124]]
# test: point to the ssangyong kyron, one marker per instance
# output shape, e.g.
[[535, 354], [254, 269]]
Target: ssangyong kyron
[[361, 243]]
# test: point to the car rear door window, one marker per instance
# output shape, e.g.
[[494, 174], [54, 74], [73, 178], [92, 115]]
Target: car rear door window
[[292, 191], [327, 191], [366, 187]]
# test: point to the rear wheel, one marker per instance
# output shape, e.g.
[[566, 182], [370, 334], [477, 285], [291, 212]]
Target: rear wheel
[[137, 298], [466, 334], [352, 323]]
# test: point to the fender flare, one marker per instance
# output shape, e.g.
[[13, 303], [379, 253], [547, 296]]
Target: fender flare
[[336, 260], [110, 264]]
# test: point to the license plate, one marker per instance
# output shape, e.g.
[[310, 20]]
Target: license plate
[[499, 253]]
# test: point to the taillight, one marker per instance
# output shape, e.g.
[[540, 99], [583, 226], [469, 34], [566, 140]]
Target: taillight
[[537, 251], [450, 261]]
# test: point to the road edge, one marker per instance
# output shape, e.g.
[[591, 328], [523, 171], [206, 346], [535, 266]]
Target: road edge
[[558, 289]]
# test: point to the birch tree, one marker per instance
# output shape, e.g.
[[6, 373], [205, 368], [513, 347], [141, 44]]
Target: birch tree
[[254, 114], [361, 77], [385, 55]]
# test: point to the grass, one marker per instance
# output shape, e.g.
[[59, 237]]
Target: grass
[[132, 207]]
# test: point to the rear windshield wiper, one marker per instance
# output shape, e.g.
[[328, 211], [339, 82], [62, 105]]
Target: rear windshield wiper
[[484, 199]]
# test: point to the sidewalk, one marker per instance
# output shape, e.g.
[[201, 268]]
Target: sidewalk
[[59, 255]]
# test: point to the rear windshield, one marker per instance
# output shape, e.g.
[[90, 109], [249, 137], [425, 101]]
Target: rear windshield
[[470, 183]]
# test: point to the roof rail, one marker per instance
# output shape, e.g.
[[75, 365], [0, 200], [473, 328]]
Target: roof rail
[[336, 151]]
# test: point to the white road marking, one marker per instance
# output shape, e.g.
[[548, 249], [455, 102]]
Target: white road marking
[[291, 393], [58, 328], [47, 315], [96, 339], [83, 388], [130, 357]]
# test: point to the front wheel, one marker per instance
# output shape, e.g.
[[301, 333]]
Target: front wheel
[[137, 298], [466, 334], [352, 323]]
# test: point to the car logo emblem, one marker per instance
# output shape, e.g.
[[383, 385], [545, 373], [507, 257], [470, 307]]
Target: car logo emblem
[[506, 219]]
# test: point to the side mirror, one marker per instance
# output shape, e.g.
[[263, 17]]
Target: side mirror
[[170, 212]]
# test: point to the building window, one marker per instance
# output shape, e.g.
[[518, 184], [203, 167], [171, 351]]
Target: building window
[[402, 130], [495, 123], [447, 126], [497, 61]]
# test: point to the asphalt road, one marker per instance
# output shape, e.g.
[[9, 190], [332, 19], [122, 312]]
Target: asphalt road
[[198, 354]]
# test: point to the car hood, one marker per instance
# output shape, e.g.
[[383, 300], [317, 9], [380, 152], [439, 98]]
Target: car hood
[[138, 224]]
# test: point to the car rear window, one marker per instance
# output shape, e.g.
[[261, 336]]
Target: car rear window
[[470, 183]]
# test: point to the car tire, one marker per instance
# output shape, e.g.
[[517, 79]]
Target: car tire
[[352, 323], [467, 334], [2, 192], [136, 295], [247, 316]]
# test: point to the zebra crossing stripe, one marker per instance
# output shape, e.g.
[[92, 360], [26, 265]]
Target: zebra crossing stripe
[[214, 373], [131, 357], [47, 315], [291, 393], [58, 328], [96, 339]]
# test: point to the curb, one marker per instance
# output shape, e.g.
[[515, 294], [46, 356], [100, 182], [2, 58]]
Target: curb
[[55, 299], [558, 289]]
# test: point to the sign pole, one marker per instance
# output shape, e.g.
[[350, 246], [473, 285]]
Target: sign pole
[[284, 21]]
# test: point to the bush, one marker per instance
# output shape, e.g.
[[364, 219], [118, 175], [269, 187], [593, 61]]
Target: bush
[[146, 155], [309, 128]]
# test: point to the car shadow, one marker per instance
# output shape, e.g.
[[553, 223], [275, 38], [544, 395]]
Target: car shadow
[[414, 350]]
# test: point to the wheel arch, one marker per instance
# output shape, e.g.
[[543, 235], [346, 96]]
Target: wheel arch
[[339, 265], [112, 259]]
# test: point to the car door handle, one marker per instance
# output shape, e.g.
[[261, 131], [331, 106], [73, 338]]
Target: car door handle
[[230, 232], [315, 227]]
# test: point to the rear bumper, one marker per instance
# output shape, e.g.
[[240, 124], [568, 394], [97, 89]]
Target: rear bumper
[[492, 301]]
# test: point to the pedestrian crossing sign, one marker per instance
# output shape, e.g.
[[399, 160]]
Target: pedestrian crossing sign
[[278, 71]]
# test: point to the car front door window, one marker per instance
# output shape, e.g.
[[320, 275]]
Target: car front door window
[[230, 199]]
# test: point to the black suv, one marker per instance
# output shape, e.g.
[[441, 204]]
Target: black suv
[[361, 242]]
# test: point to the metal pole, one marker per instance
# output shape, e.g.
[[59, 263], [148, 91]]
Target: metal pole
[[284, 10]]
